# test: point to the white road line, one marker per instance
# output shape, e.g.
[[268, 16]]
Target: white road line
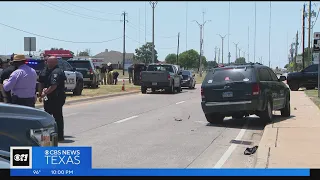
[[231, 148], [126, 119], [180, 102]]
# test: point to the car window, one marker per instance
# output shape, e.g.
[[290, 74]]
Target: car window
[[161, 68], [312, 68], [65, 65], [264, 75], [80, 64], [229, 74], [273, 75], [186, 73]]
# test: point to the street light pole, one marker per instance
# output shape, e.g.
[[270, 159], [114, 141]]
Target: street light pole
[[236, 44], [153, 5], [228, 35], [255, 31], [222, 39], [201, 44]]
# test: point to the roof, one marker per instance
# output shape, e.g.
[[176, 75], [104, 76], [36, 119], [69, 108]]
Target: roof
[[114, 57]]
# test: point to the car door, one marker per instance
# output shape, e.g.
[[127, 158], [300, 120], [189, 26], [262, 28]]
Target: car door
[[310, 75], [280, 90], [70, 82], [268, 87]]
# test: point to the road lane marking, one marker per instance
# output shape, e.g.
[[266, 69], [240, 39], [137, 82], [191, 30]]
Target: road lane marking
[[180, 102], [231, 148], [126, 119]]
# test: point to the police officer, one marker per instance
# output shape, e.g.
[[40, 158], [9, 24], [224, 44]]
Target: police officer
[[52, 90]]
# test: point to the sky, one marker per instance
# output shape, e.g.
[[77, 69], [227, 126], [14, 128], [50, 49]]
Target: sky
[[98, 24]]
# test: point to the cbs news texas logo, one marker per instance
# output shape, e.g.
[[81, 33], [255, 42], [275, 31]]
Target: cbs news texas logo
[[21, 157]]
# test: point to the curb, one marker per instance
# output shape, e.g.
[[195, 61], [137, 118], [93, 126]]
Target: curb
[[96, 98], [268, 140]]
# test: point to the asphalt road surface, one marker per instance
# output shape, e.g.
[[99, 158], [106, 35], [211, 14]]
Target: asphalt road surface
[[158, 131]]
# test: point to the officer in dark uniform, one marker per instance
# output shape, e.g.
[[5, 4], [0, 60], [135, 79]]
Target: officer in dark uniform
[[52, 91]]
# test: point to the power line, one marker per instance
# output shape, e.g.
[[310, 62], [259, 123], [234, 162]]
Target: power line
[[90, 9], [67, 11], [56, 39], [142, 43], [150, 34]]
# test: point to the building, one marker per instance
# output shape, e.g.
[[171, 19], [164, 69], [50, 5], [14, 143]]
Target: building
[[116, 58]]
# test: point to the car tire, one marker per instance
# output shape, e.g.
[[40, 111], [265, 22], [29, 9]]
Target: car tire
[[286, 111], [214, 118], [78, 90], [294, 86], [153, 90], [267, 114], [143, 90]]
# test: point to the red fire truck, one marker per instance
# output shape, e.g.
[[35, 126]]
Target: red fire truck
[[64, 54]]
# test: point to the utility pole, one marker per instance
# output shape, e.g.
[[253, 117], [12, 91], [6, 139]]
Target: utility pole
[[229, 34], [201, 44], [248, 43], [244, 54], [186, 25], [124, 40], [255, 31], [203, 13], [215, 54], [153, 5], [309, 32], [270, 36], [296, 52], [303, 34], [219, 56], [222, 39], [239, 52], [291, 52], [236, 44], [178, 49]]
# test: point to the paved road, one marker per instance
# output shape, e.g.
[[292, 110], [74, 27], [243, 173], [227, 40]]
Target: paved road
[[158, 131]]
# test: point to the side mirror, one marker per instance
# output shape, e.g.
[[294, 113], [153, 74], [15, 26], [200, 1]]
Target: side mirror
[[282, 78]]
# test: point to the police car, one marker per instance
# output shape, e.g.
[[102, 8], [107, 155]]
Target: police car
[[74, 82]]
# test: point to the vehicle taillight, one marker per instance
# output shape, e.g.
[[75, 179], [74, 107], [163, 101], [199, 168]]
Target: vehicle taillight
[[202, 94], [255, 89], [91, 71], [169, 77]]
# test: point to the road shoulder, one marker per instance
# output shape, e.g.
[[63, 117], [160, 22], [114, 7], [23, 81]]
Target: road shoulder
[[290, 142]]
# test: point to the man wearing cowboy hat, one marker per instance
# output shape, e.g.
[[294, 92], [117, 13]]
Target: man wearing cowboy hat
[[22, 82]]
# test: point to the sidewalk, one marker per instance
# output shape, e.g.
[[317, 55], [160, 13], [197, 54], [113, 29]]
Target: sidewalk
[[292, 142]]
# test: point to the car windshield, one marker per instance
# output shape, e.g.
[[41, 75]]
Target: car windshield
[[230, 74], [186, 73], [80, 64], [160, 68]]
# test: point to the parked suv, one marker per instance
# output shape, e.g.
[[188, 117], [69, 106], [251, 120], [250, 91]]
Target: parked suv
[[307, 78], [74, 82], [244, 90], [89, 72]]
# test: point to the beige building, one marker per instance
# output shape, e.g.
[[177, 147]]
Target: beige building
[[115, 58]]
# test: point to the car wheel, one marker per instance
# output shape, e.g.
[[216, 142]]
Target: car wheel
[[286, 111], [78, 90], [294, 87], [143, 90], [153, 90], [267, 114], [214, 118]]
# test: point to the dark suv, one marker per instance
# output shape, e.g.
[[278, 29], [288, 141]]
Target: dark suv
[[307, 78], [244, 90], [89, 72]]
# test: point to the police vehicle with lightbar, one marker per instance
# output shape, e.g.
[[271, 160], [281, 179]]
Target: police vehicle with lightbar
[[74, 82]]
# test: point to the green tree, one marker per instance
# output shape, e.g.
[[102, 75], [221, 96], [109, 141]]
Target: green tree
[[143, 54], [189, 59], [86, 52], [240, 60], [212, 64], [204, 61], [171, 59]]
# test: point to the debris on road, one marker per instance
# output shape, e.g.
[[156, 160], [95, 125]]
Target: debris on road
[[295, 108], [250, 151], [177, 119], [189, 117]]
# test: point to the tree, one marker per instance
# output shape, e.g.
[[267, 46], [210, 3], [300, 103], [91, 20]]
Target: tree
[[212, 64], [144, 54], [240, 60], [189, 59], [171, 59], [204, 61]]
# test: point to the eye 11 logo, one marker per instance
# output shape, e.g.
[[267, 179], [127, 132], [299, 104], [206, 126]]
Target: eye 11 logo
[[21, 157], [62, 157]]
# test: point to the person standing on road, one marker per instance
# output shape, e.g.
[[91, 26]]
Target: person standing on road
[[22, 83], [103, 75], [7, 71], [130, 72], [52, 90]]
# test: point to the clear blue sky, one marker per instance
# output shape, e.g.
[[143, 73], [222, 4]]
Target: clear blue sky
[[91, 24]]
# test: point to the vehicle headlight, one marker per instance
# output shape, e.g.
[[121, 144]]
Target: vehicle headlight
[[42, 136]]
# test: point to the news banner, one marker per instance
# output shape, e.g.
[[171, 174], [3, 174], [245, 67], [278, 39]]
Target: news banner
[[77, 161]]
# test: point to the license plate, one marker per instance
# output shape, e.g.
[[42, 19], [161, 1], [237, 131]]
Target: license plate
[[154, 83], [70, 81], [227, 94]]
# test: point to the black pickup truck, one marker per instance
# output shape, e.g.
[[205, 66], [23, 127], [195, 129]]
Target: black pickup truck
[[26, 126], [161, 76], [307, 78]]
